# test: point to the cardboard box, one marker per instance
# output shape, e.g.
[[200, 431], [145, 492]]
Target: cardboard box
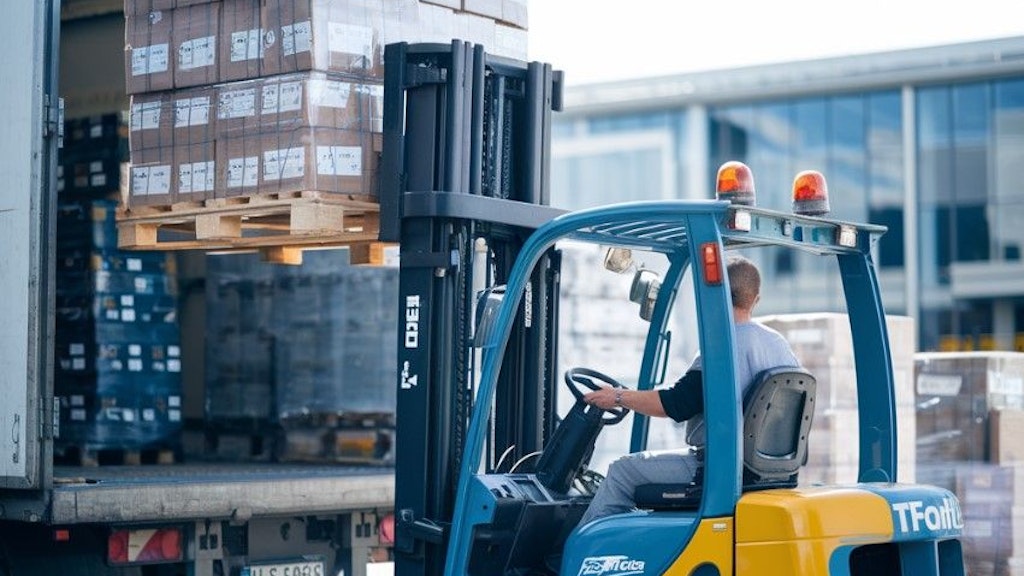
[[194, 115], [151, 177], [238, 165], [1006, 428], [140, 7], [515, 13], [238, 106], [318, 159], [196, 171], [195, 43], [490, 8], [243, 38], [319, 99], [956, 393], [341, 37], [150, 121], [148, 57]]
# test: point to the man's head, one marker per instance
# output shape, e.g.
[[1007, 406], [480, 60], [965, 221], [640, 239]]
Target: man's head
[[744, 282]]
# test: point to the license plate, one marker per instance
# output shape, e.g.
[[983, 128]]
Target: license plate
[[303, 567]]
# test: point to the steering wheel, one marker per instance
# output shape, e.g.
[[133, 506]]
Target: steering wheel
[[579, 378]]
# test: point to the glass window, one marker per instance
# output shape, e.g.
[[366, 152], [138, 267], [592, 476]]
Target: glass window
[[971, 112], [884, 143], [847, 165], [934, 143]]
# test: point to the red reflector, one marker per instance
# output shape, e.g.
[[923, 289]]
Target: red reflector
[[144, 546], [735, 183], [61, 535], [712, 263], [387, 529]]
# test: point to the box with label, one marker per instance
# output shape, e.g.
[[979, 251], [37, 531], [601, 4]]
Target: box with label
[[956, 393], [148, 58], [150, 121], [339, 36], [195, 168], [151, 177], [242, 38], [318, 159], [141, 7], [320, 99], [238, 107], [238, 165], [194, 37], [194, 115]]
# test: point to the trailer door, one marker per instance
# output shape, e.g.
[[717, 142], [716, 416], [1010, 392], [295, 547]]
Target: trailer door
[[28, 140]]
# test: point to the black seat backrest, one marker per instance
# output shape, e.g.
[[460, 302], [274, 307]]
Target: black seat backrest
[[778, 410]]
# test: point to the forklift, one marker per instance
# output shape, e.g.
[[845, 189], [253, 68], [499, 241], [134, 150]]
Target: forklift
[[464, 191]]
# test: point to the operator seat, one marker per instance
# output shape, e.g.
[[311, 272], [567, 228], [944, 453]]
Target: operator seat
[[778, 410]]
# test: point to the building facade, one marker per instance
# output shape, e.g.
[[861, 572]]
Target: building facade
[[929, 142]]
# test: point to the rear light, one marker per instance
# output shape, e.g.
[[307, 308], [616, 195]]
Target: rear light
[[386, 530], [810, 194], [712, 263], [61, 535], [145, 546], [735, 183]]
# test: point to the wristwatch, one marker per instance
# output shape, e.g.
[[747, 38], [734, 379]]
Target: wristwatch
[[618, 397]]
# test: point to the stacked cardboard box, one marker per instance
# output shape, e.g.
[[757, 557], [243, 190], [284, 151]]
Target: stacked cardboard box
[[308, 351], [118, 362], [240, 97], [823, 343], [970, 420]]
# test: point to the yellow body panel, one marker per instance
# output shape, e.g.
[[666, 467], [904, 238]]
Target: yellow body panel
[[711, 544], [796, 531]]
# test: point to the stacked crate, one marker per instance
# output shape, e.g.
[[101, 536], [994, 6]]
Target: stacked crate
[[303, 357], [970, 422], [823, 344], [243, 97], [117, 353]]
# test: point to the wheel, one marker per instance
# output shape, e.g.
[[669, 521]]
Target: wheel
[[578, 379]]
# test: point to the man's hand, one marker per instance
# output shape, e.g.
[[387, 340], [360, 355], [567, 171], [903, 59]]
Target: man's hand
[[603, 398], [643, 401]]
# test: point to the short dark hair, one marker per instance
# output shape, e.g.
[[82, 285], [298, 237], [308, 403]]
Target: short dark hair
[[744, 282]]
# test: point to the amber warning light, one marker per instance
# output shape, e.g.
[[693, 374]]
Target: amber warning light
[[735, 183], [810, 194]]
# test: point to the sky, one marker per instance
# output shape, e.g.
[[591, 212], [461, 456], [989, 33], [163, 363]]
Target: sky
[[603, 40]]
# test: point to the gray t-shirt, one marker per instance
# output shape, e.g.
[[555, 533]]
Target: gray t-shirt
[[759, 348]]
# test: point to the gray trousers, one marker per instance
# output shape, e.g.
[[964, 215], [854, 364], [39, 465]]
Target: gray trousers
[[615, 494]]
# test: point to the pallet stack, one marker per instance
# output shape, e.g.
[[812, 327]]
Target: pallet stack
[[970, 419], [824, 346], [265, 116], [301, 360], [117, 349]]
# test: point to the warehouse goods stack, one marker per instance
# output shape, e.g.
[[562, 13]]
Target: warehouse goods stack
[[117, 354], [247, 111], [970, 418], [824, 346], [301, 359]]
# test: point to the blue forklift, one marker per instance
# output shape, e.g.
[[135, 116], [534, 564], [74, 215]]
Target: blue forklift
[[465, 193]]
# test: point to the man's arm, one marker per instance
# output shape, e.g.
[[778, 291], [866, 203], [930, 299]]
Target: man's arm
[[643, 401], [681, 402]]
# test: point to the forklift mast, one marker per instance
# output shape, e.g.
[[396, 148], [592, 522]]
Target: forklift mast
[[464, 181]]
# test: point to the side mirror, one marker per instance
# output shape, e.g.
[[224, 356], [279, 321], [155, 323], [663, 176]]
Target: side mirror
[[644, 291], [618, 260], [487, 305]]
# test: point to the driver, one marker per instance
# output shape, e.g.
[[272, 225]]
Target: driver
[[760, 348]]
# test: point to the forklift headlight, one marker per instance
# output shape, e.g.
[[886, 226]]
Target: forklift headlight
[[618, 260]]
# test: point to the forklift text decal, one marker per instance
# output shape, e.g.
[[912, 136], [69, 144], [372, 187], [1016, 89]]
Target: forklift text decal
[[611, 566], [942, 517], [412, 321]]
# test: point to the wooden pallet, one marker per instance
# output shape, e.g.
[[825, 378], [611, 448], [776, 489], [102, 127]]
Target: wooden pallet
[[279, 225], [91, 457]]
